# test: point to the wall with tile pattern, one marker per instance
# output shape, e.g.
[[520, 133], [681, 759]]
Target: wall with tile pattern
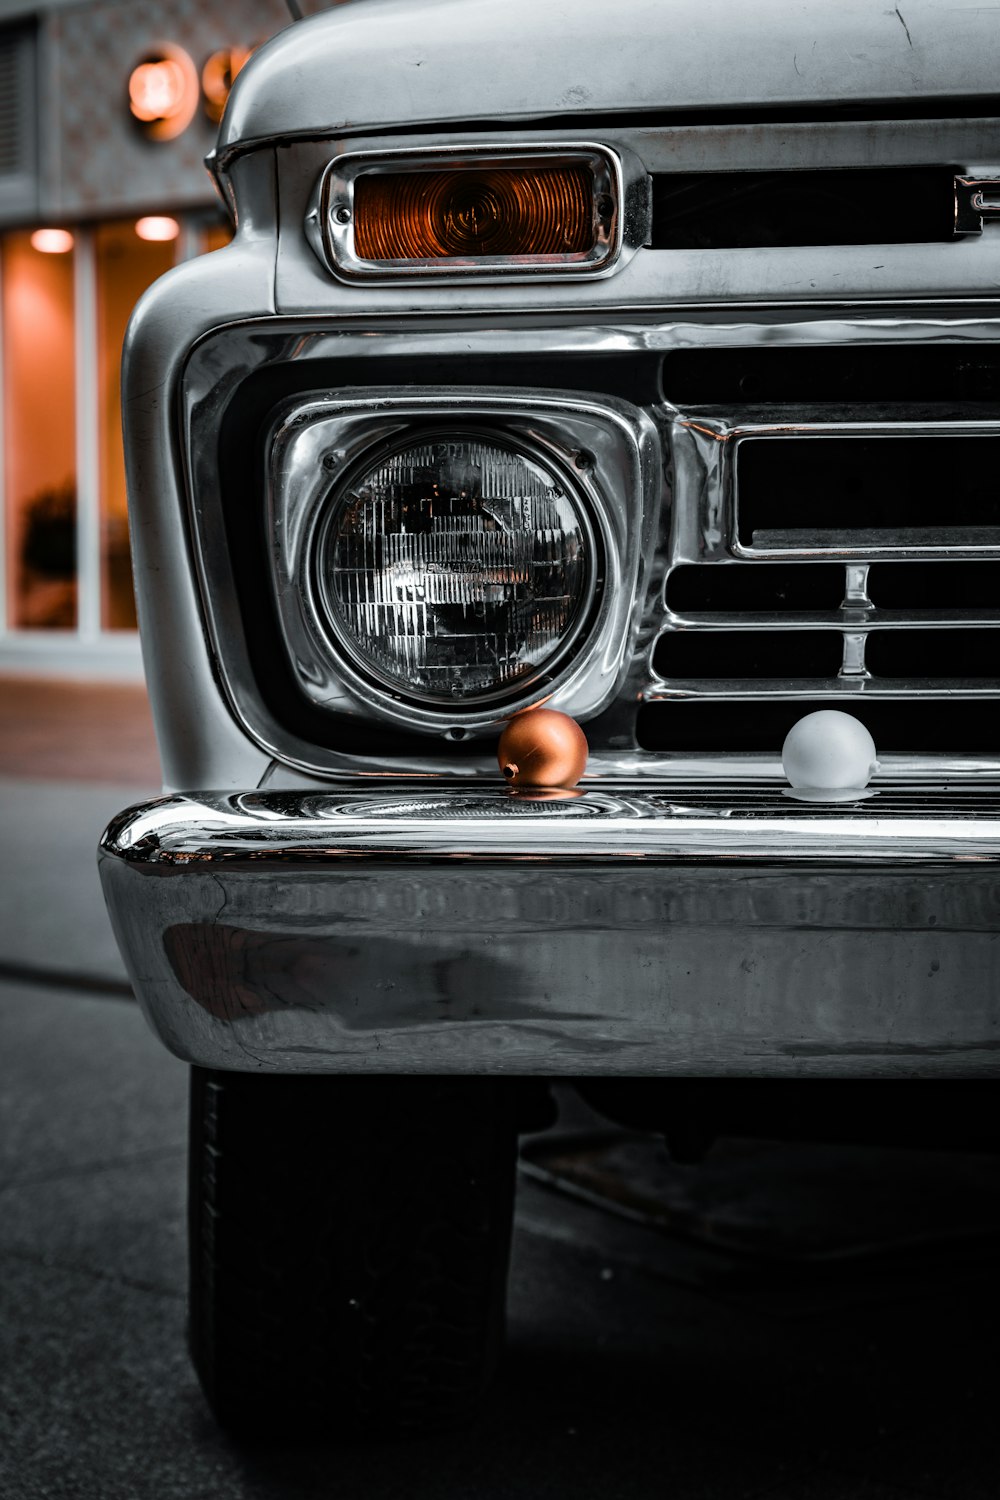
[[94, 160]]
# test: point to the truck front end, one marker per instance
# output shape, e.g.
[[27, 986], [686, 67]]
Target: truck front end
[[645, 368]]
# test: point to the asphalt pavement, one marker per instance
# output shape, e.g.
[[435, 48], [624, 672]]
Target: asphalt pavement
[[640, 1362]]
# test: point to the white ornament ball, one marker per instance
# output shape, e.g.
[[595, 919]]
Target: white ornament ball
[[828, 751]]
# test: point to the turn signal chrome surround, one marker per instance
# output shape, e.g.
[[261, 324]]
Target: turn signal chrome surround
[[617, 210]]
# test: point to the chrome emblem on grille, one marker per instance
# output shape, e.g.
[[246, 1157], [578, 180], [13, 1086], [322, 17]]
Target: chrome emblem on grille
[[976, 199]]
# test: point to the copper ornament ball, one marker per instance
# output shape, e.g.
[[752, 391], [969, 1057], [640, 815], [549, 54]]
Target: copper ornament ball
[[542, 747]]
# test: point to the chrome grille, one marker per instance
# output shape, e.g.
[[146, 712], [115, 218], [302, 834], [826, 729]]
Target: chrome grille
[[831, 555], [826, 612]]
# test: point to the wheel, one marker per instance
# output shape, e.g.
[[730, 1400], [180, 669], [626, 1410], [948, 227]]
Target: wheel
[[349, 1240]]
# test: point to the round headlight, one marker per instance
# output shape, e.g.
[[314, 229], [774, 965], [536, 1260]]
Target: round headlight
[[456, 568]]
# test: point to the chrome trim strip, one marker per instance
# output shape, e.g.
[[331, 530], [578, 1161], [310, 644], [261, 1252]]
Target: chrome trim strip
[[596, 826], [848, 619], [912, 543], [850, 685]]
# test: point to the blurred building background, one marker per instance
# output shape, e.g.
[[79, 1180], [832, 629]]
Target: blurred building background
[[107, 110]]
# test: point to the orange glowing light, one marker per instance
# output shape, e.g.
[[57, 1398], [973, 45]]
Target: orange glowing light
[[52, 241], [156, 90], [163, 92], [217, 78], [465, 213], [157, 227]]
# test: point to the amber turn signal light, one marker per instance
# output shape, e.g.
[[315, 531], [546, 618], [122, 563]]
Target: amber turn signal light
[[470, 213]]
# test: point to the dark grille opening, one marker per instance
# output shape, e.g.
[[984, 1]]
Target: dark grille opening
[[934, 653], [755, 586], [924, 491], [847, 206], [748, 653], [935, 585], [958, 727], [880, 374]]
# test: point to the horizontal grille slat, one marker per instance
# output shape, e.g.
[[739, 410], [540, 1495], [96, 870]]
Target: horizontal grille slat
[[889, 538], [836, 692], [839, 619]]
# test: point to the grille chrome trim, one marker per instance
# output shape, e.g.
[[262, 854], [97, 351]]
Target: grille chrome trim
[[739, 689], [715, 438], [915, 541], [845, 619]]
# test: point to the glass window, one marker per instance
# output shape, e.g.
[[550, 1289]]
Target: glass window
[[126, 265], [39, 430]]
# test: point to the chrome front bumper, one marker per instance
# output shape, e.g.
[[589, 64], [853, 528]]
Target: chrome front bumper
[[718, 930]]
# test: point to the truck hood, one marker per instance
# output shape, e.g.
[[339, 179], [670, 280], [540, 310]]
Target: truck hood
[[376, 65]]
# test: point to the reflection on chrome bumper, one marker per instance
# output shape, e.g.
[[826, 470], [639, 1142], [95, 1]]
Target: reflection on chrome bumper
[[717, 930]]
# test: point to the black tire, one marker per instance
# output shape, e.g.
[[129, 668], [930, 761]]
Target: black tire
[[349, 1240]]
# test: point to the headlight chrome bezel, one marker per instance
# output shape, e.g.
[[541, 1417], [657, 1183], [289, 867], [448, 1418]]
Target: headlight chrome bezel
[[602, 453]]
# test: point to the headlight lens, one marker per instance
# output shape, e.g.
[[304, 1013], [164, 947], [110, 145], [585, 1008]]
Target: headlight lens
[[456, 567]]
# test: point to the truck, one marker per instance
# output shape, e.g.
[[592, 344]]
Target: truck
[[640, 363]]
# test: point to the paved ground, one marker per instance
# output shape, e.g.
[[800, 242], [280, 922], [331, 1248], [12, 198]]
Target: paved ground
[[77, 731], [72, 754], [52, 918], [638, 1365]]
